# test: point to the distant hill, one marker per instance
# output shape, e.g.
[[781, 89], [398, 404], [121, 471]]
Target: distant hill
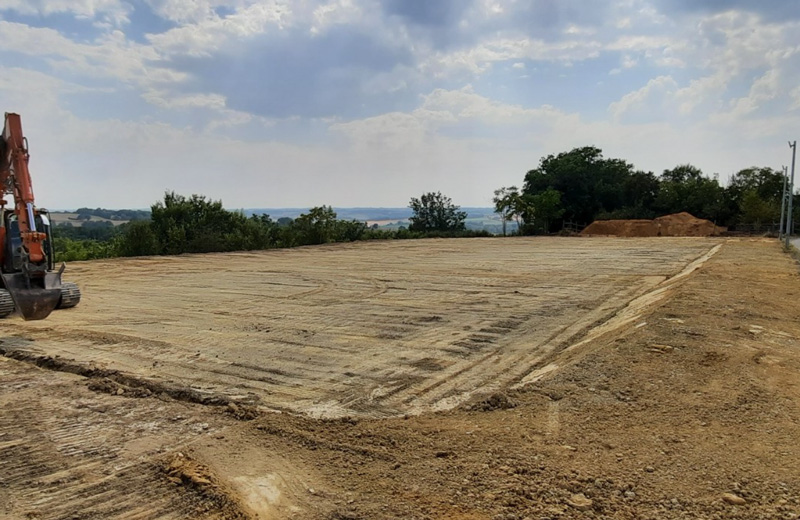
[[385, 218], [365, 214], [89, 216], [392, 218]]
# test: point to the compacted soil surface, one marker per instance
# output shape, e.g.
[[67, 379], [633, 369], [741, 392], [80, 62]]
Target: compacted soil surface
[[474, 379]]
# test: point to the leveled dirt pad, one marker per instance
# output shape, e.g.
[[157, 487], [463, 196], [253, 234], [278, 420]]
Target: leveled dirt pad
[[367, 329], [669, 391]]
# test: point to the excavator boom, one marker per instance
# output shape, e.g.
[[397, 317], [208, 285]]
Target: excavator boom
[[15, 169]]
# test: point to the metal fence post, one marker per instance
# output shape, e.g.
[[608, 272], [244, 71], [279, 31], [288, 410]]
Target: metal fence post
[[789, 219], [781, 229]]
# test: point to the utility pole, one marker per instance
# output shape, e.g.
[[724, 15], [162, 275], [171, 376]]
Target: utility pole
[[781, 230], [793, 146]]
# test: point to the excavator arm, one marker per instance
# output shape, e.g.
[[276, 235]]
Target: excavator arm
[[35, 290], [14, 175]]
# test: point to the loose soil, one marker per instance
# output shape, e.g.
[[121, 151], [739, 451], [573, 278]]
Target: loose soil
[[676, 225], [647, 378]]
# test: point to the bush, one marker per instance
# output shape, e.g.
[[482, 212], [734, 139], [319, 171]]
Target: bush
[[68, 250], [138, 239]]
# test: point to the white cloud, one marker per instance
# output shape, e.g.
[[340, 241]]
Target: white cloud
[[648, 101], [638, 43], [114, 11], [183, 11], [164, 99], [335, 12], [464, 130], [736, 41], [218, 115], [110, 56], [702, 91], [210, 34], [763, 89], [573, 30], [480, 58], [465, 104], [794, 95], [628, 62]]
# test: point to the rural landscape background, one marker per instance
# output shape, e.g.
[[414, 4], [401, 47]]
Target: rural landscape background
[[563, 195]]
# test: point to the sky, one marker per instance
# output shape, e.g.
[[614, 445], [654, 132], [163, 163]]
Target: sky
[[300, 103]]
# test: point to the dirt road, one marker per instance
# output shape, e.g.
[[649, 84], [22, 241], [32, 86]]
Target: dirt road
[[524, 378]]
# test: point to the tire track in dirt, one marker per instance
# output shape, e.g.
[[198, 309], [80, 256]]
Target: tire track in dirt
[[67, 452], [512, 355], [507, 363], [624, 316]]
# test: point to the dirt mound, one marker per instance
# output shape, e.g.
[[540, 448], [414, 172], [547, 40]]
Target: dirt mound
[[686, 225], [498, 401], [622, 228], [676, 225]]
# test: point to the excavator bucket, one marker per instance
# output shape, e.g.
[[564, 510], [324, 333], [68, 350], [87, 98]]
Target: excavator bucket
[[33, 301]]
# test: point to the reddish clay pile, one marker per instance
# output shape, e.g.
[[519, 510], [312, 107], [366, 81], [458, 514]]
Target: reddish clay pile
[[677, 225]]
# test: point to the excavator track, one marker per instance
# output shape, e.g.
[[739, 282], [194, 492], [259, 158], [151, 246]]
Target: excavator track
[[6, 303], [70, 296]]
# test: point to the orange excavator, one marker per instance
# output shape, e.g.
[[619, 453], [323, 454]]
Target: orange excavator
[[30, 283]]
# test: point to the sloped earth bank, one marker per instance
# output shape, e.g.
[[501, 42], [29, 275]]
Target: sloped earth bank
[[683, 401]]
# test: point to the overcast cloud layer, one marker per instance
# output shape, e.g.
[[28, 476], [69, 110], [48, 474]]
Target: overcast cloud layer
[[296, 103]]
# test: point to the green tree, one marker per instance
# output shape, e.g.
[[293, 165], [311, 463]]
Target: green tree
[[756, 210], [683, 174], [507, 203], [317, 226], [138, 239], [764, 183], [349, 230], [544, 208], [588, 183], [196, 225], [192, 225], [640, 190], [685, 188], [435, 212], [767, 183]]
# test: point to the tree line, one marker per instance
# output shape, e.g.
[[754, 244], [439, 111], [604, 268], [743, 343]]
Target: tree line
[[582, 186], [195, 224]]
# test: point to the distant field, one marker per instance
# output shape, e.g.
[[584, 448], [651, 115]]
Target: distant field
[[390, 223], [72, 218]]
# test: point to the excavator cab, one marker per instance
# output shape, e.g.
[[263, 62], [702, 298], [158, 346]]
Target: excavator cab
[[35, 291], [12, 257]]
